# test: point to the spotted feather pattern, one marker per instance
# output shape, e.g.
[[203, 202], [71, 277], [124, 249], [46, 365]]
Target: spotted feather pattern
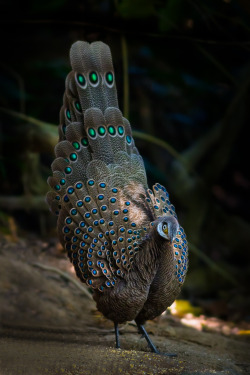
[[159, 202], [99, 185]]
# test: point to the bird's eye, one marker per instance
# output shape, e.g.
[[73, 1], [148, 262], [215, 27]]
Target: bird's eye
[[165, 228]]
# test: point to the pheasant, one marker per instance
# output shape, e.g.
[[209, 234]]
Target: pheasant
[[124, 239]]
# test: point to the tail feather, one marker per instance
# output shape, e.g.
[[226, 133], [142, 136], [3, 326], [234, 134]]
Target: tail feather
[[113, 119], [72, 98], [103, 59], [99, 139], [94, 75]]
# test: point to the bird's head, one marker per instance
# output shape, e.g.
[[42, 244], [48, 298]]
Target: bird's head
[[167, 227]]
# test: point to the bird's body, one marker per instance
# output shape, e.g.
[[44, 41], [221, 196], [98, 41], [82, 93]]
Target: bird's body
[[146, 290], [123, 239]]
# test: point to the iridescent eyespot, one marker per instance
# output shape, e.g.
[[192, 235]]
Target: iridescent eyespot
[[101, 130], [128, 139], [120, 130], [80, 79], [76, 145], [84, 141], [93, 78], [73, 156], [111, 130], [67, 170], [92, 132], [109, 78], [68, 115], [78, 106]]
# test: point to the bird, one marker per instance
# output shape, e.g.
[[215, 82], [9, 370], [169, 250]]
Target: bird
[[123, 238]]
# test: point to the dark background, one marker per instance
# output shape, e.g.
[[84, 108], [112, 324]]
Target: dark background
[[189, 74]]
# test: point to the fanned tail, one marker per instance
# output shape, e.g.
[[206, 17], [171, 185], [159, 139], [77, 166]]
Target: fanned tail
[[95, 140]]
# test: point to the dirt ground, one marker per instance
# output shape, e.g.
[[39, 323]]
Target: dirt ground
[[49, 326]]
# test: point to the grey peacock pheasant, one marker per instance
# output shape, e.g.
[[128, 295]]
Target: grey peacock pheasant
[[123, 239]]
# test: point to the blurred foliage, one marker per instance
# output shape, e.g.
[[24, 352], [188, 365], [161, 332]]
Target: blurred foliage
[[168, 13], [139, 9], [182, 307], [184, 69]]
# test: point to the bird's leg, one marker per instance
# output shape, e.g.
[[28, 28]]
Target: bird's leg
[[117, 341], [150, 342]]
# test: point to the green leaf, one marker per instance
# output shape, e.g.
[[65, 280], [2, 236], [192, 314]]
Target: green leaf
[[136, 8], [170, 15]]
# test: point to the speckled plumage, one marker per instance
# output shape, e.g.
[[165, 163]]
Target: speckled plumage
[[108, 218]]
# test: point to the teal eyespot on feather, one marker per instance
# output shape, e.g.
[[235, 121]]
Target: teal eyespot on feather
[[68, 115], [93, 78], [109, 78], [76, 145], [80, 79], [128, 139], [78, 106], [67, 170], [101, 130], [111, 130], [84, 141], [91, 132], [73, 156], [120, 130]]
